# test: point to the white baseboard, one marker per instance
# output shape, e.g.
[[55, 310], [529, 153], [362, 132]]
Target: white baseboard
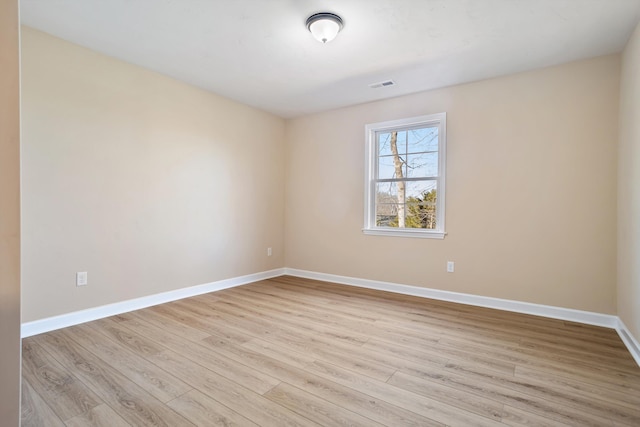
[[52, 323], [628, 340], [590, 318]]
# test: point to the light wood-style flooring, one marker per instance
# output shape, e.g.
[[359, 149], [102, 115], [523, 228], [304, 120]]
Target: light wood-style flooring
[[290, 351]]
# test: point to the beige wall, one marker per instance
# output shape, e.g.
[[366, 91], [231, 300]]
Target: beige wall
[[9, 215], [146, 183], [152, 185], [629, 188], [531, 190]]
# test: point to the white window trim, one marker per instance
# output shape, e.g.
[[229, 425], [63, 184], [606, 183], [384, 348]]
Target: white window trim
[[370, 228]]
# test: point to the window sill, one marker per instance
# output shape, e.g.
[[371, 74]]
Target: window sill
[[421, 234]]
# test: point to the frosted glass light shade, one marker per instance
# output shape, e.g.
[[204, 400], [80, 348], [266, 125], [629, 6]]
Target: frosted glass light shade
[[324, 26]]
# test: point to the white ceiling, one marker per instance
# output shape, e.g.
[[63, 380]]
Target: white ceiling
[[259, 51]]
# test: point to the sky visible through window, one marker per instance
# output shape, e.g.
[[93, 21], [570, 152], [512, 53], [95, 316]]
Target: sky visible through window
[[418, 150]]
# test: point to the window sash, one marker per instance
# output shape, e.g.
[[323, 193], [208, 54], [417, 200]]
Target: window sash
[[425, 178]]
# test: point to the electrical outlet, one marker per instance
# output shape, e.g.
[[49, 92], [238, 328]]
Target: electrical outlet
[[81, 278], [269, 252], [450, 266]]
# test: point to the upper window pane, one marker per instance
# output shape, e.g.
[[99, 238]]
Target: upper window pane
[[384, 144], [410, 153], [422, 165], [386, 167], [422, 140]]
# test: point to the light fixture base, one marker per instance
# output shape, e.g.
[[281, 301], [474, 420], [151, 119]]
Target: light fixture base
[[324, 26]]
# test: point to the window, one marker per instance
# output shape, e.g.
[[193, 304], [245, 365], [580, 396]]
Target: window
[[404, 177]]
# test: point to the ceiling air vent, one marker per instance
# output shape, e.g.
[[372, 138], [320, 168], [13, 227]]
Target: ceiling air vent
[[385, 83]]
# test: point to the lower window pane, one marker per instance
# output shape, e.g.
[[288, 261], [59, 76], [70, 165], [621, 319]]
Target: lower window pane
[[420, 205], [409, 204], [387, 204], [387, 215]]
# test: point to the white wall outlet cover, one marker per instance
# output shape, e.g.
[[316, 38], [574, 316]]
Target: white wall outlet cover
[[450, 266], [81, 278]]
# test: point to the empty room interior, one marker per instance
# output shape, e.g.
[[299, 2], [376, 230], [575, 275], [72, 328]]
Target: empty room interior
[[303, 213]]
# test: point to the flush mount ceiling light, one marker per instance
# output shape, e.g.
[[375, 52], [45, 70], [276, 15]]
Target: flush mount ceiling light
[[324, 26]]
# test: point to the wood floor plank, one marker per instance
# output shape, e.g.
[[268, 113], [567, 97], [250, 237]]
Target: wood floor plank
[[603, 379], [253, 353], [351, 399], [620, 361], [176, 311], [154, 380], [523, 353], [291, 295], [204, 411], [516, 399], [293, 310], [319, 330], [306, 318], [279, 298], [517, 393], [279, 367], [356, 401], [241, 374], [432, 308], [452, 396], [620, 407], [312, 407], [614, 395], [512, 316], [560, 364], [437, 354], [215, 324], [591, 329], [113, 330], [439, 410], [251, 405], [572, 337], [291, 351], [129, 400], [62, 391], [35, 412], [155, 316], [518, 418], [550, 337], [377, 302], [321, 347], [100, 416]]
